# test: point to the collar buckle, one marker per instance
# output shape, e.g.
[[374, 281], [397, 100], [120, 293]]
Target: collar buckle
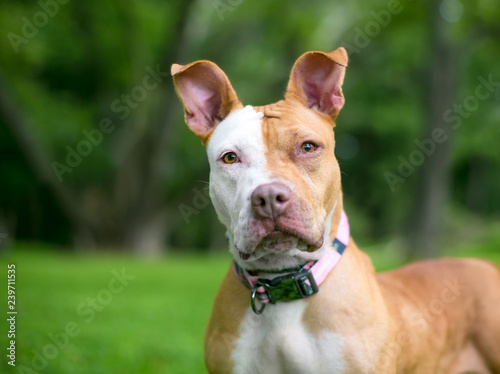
[[306, 284], [289, 287]]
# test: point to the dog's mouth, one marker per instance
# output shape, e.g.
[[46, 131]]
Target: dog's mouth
[[280, 241]]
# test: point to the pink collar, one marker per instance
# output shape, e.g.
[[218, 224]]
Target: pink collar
[[300, 284]]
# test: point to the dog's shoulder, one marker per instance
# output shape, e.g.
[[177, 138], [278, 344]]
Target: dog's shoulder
[[230, 306]]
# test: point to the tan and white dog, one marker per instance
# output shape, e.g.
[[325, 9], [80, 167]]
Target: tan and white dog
[[275, 184]]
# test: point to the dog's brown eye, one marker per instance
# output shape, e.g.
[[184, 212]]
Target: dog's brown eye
[[308, 147], [230, 158]]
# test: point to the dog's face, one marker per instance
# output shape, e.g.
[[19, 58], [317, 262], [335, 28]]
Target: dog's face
[[274, 179]]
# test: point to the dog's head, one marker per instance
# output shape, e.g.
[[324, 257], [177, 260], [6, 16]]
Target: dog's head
[[274, 179]]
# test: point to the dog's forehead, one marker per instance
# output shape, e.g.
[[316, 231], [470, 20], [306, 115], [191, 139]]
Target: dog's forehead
[[241, 129], [255, 129], [286, 117]]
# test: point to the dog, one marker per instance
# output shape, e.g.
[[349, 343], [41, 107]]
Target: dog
[[300, 297]]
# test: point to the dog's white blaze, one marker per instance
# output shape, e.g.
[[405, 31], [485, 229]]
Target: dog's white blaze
[[231, 185], [278, 342]]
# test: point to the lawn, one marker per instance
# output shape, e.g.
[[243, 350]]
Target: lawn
[[76, 315], [153, 323]]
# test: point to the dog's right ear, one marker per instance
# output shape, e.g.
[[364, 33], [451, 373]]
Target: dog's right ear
[[207, 95]]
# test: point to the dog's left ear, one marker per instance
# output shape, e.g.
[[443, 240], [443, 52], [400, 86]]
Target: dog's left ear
[[316, 81]]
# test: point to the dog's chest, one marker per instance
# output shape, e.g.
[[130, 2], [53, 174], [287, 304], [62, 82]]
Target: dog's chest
[[278, 342]]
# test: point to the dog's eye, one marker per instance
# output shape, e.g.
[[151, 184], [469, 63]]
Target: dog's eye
[[308, 147], [230, 158]]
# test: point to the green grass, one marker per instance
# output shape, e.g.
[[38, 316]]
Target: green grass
[[155, 324]]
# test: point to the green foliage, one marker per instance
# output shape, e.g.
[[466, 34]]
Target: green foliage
[[88, 55]]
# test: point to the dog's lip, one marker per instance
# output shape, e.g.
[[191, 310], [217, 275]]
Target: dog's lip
[[316, 245], [244, 255], [277, 240], [279, 235]]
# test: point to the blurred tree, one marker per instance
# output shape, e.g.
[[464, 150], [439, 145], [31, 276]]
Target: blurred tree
[[35, 156], [88, 69], [436, 145], [130, 211], [444, 118]]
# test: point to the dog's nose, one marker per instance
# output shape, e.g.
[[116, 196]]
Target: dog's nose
[[270, 200]]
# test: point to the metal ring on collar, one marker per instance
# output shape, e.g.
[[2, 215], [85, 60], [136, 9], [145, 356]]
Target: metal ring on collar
[[253, 301]]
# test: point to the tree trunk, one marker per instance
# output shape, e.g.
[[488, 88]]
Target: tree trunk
[[433, 183], [39, 162], [142, 181]]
